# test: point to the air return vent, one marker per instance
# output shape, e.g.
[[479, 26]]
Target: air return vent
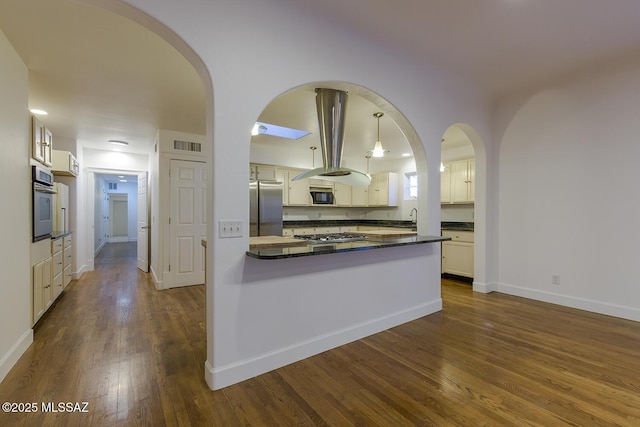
[[195, 147]]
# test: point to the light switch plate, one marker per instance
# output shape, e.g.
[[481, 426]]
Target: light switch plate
[[230, 229]]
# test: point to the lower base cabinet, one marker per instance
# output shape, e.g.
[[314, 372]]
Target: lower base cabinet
[[42, 292], [457, 253]]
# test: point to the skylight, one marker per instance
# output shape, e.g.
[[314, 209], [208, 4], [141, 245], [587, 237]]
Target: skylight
[[280, 131]]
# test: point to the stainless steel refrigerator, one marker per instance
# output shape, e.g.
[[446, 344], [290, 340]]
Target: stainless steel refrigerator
[[265, 216]]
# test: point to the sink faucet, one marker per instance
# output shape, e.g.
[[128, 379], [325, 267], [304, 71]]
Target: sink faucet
[[414, 220]]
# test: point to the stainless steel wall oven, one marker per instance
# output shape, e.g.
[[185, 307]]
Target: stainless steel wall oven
[[42, 203]]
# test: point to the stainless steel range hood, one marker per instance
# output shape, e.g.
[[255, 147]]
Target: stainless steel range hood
[[331, 105]]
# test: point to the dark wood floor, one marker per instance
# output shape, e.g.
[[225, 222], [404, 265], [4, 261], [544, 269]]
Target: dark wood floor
[[137, 355]]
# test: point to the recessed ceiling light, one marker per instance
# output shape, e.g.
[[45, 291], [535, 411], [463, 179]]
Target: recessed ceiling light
[[123, 180], [38, 112], [406, 154], [118, 142], [120, 176]]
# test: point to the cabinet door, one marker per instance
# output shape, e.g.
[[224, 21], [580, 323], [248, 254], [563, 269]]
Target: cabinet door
[[374, 190], [342, 194], [298, 190], [459, 182], [38, 291], [283, 176], [359, 196], [47, 147], [445, 184], [457, 258], [471, 177], [37, 135]]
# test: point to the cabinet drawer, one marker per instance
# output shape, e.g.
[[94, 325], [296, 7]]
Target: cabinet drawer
[[458, 236], [56, 245], [67, 241], [67, 257], [326, 230], [57, 263], [287, 232]]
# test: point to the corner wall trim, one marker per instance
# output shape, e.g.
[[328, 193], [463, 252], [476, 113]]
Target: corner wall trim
[[484, 288], [233, 373], [629, 313], [14, 353]]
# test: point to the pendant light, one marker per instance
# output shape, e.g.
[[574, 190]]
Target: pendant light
[[378, 151]]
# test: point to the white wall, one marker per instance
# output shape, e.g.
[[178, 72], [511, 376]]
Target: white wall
[[569, 201], [15, 222], [270, 313]]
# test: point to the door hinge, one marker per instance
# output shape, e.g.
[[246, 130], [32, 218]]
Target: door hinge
[[169, 267], [169, 220]]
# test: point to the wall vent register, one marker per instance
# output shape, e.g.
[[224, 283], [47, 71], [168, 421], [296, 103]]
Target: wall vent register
[[195, 147]]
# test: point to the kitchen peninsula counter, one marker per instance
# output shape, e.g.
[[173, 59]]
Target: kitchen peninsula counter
[[310, 249]]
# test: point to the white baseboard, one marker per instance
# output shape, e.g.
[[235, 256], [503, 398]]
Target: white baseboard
[[484, 288], [78, 274], [14, 353], [118, 239], [599, 307], [157, 282], [233, 373]]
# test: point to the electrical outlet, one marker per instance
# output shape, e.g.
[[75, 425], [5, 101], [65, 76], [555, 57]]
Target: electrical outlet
[[555, 279], [230, 229]]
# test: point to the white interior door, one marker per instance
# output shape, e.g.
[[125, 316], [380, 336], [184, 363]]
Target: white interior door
[[188, 222], [143, 223]]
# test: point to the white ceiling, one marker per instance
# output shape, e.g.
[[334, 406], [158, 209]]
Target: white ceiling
[[103, 77]]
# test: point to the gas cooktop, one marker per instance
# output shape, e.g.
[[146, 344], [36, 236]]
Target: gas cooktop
[[331, 237]]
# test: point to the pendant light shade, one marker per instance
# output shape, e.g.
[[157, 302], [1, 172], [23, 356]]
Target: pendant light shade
[[378, 151]]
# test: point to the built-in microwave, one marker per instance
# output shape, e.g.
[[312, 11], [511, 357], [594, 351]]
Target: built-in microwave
[[321, 196], [42, 203]]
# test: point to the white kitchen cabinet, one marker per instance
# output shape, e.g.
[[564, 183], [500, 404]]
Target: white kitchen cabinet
[[64, 163], [287, 232], [342, 193], [445, 184], [457, 253], [303, 231], [463, 181], [298, 191], [42, 293], [359, 196], [327, 230], [41, 141], [383, 190], [262, 173], [57, 267], [67, 258]]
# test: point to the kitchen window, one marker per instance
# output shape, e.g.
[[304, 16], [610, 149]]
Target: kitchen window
[[410, 185]]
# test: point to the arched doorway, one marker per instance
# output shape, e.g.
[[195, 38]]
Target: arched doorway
[[463, 202]]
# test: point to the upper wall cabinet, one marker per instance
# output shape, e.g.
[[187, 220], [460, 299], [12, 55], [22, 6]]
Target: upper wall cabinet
[[64, 163], [383, 190], [262, 173], [42, 141], [458, 182]]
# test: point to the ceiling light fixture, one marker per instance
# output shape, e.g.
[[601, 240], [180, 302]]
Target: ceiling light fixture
[[378, 151], [118, 142], [38, 112]]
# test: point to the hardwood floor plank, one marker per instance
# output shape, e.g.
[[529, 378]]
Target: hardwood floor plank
[[137, 355]]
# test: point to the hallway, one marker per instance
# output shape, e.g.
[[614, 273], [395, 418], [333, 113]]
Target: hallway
[[114, 341]]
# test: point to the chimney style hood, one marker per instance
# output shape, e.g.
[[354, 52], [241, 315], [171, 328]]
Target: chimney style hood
[[331, 105]]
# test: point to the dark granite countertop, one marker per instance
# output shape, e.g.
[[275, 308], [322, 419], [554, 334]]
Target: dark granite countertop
[[55, 235], [271, 253], [457, 226], [348, 222]]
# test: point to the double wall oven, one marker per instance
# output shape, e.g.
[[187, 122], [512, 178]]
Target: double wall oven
[[42, 203]]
